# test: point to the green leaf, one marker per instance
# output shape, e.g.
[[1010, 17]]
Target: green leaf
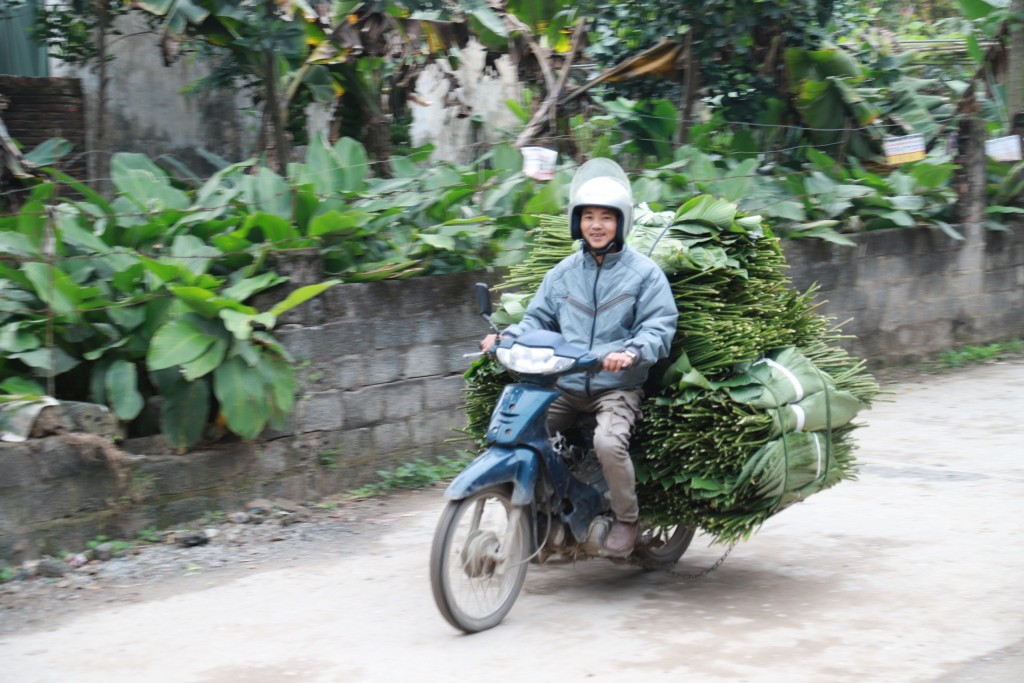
[[243, 289], [334, 222], [443, 242], [127, 318], [269, 228], [301, 296], [269, 192], [184, 412], [522, 114], [976, 9], [355, 165], [96, 354], [240, 324], [16, 244], [707, 208], [736, 184], [900, 218], [176, 343], [47, 152], [21, 386], [247, 351], [206, 363], [240, 392], [907, 202], [548, 200], [489, 29], [193, 253], [47, 362], [206, 303], [14, 339], [974, 49], [56, 289], [318, 80], [69, 229], [145, 184], [97, 202], [164, 271], [280, 389], [121, 384]]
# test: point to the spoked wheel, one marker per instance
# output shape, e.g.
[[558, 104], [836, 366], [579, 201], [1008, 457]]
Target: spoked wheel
[[479, 559], [660, 547]]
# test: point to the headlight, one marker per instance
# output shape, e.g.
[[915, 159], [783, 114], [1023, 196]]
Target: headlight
[[533, 360]]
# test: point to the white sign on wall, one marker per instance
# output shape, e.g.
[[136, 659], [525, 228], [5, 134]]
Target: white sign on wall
[[1004, 149], [900, 150]]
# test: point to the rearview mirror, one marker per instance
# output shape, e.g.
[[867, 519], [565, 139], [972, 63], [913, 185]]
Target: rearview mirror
[[483, 299]]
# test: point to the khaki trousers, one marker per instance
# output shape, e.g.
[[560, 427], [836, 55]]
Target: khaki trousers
[[616, 412]]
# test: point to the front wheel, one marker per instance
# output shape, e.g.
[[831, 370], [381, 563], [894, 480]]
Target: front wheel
[[660, 547], [479, 559]]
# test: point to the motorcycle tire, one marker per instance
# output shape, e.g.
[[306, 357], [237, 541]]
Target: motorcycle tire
[[662, 547], [478, 562]]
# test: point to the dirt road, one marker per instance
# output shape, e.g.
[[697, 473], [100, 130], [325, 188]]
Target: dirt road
[[913, 573]]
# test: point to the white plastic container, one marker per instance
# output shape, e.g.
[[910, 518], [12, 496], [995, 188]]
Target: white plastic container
[[539, 162]]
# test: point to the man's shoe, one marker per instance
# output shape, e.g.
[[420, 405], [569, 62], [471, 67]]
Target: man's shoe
[[621, 539]]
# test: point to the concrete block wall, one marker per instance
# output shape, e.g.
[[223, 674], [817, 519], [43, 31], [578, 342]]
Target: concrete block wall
[[380, 374], [382, 371], [910, 293]]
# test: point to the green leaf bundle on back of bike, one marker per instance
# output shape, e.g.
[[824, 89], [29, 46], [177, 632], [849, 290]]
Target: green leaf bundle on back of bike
[[753, 409]]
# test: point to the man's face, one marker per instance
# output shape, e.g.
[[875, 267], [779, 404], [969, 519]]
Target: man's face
[[598, 226]]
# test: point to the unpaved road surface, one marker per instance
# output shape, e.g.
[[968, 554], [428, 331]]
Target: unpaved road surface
[[913, 573]]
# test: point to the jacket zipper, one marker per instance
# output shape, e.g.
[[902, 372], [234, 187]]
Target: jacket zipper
[[593, 323]]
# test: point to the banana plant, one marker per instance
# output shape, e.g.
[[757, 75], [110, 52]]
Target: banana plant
[[849, 108], [97, 298], [919, 194]]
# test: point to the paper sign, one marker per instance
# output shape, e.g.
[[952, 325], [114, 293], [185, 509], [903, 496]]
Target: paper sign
[[1004, 149], [539, 162], [903, 149]]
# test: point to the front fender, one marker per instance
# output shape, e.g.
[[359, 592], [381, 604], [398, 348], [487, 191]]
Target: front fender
[[495, 466]]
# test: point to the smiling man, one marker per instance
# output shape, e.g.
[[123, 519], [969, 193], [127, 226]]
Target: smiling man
[[617, 303]]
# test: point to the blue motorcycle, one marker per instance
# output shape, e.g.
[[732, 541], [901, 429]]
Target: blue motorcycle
[[530, 497]]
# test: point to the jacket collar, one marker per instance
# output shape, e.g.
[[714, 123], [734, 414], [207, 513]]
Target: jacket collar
[[610, 259]]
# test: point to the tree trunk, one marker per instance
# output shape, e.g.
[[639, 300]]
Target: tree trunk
[[102, 167], [1015, 70], [377, 139], [277, 117], [690, 85]]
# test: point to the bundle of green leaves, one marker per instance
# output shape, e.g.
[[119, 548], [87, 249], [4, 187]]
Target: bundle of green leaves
[[717, 448]]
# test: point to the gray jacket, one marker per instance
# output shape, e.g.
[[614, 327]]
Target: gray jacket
[[623, 304]]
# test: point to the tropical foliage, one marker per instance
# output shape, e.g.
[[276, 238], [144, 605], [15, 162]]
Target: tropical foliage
[[150, 294]]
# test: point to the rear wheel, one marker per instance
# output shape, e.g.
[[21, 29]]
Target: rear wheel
[[660, 547], [479, 559]]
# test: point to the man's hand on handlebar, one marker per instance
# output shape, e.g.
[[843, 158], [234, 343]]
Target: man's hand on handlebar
[[617, 361], [487, 345]]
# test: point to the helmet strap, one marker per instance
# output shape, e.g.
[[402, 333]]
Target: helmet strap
[[602, 251]]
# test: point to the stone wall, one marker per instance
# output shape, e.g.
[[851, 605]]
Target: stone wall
[[381, 372], [910, 293]]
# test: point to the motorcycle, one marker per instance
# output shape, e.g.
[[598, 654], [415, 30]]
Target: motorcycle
[[529, 498]]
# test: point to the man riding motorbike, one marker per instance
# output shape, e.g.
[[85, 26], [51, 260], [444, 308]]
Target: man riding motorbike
[[617, 303]]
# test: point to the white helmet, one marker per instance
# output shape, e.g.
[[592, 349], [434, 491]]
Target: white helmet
[[601, 182]]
